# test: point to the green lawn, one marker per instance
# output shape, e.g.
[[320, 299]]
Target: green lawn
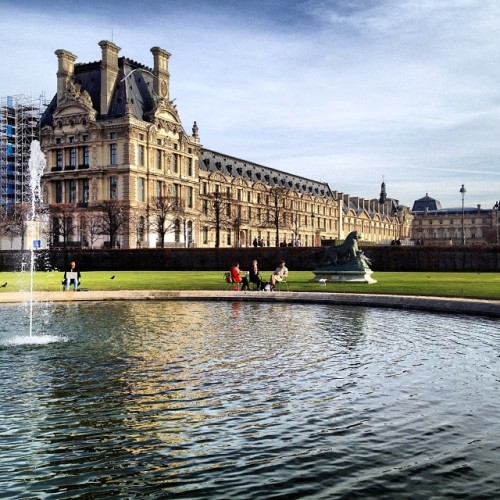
[[472, 285]]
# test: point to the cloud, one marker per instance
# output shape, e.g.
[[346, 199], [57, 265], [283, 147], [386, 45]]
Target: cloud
[[347, 92]]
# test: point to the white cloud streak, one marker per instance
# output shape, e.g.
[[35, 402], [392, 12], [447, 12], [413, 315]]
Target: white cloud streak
[[346, 92]]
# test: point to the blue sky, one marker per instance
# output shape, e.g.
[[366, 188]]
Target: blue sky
[[347, 92]]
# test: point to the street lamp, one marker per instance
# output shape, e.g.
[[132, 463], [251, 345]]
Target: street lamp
[[463, 191], [495, 208], [312, 224]]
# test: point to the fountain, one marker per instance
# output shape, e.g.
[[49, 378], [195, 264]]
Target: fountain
[[36, 166]]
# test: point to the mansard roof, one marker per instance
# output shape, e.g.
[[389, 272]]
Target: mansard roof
[[212, 161], [426, 203], [136, 90]]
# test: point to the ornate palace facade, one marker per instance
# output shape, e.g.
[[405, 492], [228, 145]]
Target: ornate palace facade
[[122, 171]]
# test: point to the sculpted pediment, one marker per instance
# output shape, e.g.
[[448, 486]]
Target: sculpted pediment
[[165, 115], [75, 102]]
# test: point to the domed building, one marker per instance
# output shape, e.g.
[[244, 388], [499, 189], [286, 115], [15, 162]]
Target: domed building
[[433, 224]]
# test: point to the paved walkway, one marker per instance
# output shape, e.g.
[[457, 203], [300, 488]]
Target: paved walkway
[[489, 308]]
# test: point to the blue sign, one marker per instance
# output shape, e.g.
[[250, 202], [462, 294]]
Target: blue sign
[[37, 244]]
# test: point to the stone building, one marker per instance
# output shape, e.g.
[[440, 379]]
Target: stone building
[[122, 171], [433, 224]]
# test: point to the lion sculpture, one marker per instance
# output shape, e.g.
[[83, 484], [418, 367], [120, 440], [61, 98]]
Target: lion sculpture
[[343, 253]]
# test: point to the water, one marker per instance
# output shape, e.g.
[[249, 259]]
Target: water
[[250, 401], [36, 165]]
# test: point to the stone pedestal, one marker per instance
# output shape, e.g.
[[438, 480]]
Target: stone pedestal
[[364, 276]]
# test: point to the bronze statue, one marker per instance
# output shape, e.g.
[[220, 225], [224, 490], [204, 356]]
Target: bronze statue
[[346, 257]]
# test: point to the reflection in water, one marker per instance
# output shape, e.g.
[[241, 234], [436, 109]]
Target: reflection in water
[[240, 400]]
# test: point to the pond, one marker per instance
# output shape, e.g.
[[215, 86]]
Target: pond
[[247, 400]]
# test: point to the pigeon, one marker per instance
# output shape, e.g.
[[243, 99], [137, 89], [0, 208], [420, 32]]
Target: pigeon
[[4, 285], [112, 277]]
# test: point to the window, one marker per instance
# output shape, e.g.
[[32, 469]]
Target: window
[[190, 167], [159, 189], [189, 233], [72, 191], [177, 231], [140, 189], [228, 238], [112, 154], [205, 235], [140, 154], [204, 188], [85, 191], [86, 156], [190, 197], [59, 158], [113, 187], [205, 207], [175, 166], [112, 135], [58, 192], [177, 194], [159, 162], [72, 157]]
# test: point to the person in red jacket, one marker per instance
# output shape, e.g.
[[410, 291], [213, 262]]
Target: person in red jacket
[[237, 278]]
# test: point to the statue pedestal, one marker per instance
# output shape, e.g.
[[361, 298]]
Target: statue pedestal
[[345, 276]]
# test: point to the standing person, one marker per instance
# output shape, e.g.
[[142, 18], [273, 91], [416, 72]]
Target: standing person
[[279, 273], [255, 243], [73, 278], [237, 278], [255, 276]]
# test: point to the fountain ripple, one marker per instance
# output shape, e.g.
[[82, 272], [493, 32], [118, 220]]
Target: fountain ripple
[[237, 400]]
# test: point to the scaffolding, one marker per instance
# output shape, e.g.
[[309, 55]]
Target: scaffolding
[[19, 119]]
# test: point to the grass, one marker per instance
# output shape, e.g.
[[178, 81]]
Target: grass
[[467, 285]]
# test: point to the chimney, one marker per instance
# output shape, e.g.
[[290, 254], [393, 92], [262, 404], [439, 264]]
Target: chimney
[[161, 84], [109, 72], [65, 70]]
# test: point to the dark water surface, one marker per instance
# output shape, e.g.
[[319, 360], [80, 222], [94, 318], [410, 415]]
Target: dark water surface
[[247, 401]]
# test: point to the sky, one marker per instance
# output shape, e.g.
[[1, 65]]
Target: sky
[[349, 92]]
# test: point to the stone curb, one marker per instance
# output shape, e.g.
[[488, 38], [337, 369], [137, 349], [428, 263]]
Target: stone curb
[[490, 308]]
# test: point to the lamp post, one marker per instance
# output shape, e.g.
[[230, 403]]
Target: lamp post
[[463, 191], [495, 208], [312, 224]]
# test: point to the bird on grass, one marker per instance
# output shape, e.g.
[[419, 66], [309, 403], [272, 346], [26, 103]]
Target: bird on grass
[[4, 285], [112, 277]]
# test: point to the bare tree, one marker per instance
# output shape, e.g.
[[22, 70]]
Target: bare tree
[[61, 222], [163, 211], [90, 228], [219, 213], [277, 213], [113, 219]]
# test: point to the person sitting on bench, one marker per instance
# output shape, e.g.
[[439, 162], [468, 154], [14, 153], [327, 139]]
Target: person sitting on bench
[[237, 278], [72, 277], [255, 276]]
